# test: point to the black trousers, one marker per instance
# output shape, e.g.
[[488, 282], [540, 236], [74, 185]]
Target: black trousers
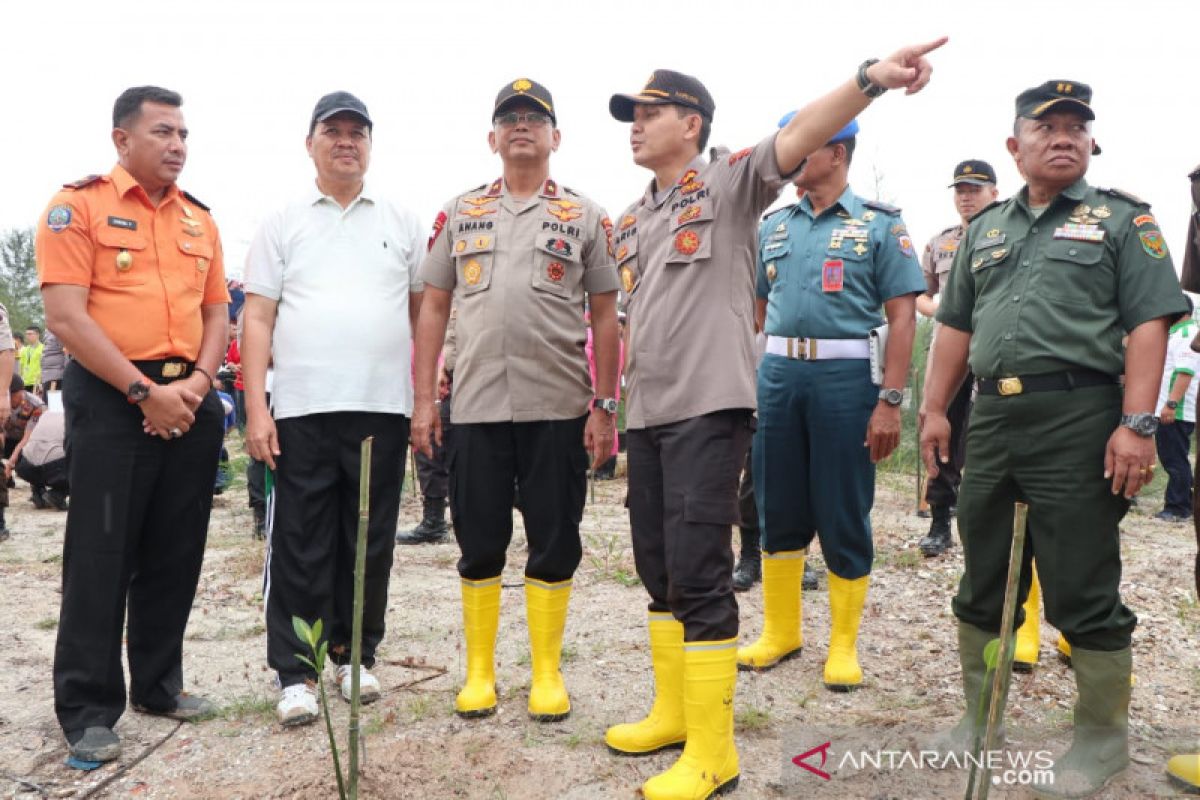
[[747, 508], [546, 462], [943, 490], [52, 474], [1173, 442], [134, 544], [256, 474], [312, 531], [683, 502], [434, 473]]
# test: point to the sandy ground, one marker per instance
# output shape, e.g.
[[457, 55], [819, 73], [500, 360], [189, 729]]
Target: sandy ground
[[416, 747]]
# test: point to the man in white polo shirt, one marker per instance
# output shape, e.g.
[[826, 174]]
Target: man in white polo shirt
[[337, 265]]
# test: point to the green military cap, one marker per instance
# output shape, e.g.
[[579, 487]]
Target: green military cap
[[1038, 101]]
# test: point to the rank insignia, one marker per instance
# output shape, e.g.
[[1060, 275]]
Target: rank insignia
[[191, 223], [689, 215], [559, 247], [772, 272], [1143, 219], [688, 177], [1153, 243], [565, 205], [1081, 210], [861, 248], [564, 214], [624, 251], [854, 221], [628, 221], [550, 188], [1080, 232], [482, 200], [472, 272], [691, 186], [59, 218], [494, 189], [1102, 212], [124, 261], [687, 242], [868, 216], [555, 271], [460, 245], [477, 212], [438, 224], [482, 242], [627, 280], [832, 273], [906, 245], [739, 155]]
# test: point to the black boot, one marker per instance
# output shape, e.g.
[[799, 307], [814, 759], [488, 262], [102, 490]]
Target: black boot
[[57, 499], [4, 532], [749, 565], [432, 527], [260, 522], [38, 497], [938, 540]]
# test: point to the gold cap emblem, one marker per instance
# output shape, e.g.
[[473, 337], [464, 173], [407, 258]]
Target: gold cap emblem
[[522, 85]]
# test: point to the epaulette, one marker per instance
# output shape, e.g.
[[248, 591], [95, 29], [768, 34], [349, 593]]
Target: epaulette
[[82, 182], [948, 230], [195, 201], [770, 214], [478, 188], [1126, 196], [569, 190], [984, 210], [880, 206]]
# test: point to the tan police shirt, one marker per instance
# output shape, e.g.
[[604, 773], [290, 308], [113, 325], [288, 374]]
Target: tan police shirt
[[686, 263], [519, 271], [938, 258]]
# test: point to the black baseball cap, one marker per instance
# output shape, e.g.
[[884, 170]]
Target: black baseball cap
[[665, 87], [977, 172], [524, 89], [338, 103], [1036, 102]]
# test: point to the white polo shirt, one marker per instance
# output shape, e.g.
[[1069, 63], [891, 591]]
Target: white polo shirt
[[342, 278], [1181, 360]]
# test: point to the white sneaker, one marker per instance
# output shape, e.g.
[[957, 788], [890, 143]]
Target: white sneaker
[[297, 705], [368, 685]]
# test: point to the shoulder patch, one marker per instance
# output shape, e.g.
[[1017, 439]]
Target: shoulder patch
[[985, 209], [880, 206], [1126, 196], [82, 182], [195, 201]]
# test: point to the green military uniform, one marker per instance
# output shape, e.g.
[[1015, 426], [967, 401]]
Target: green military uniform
[[1048, 294]]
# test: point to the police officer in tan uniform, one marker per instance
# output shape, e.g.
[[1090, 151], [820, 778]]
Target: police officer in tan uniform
[[974, 188], [518, 257], [686, 252]]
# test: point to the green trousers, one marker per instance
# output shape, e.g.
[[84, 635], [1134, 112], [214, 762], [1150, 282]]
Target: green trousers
[[1045, 449]]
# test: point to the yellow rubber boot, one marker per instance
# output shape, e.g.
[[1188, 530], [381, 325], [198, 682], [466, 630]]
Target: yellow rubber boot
[[846, 599], [1025, 658], [481, 618], [546, 612], [781, 637], [709, 764], [1184, 772], [663, 727], [1064, 650]]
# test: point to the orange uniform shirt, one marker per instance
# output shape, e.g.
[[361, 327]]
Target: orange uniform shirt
[[148, 270]]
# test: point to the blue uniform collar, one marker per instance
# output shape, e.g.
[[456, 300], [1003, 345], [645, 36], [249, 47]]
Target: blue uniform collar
[[847, 201]]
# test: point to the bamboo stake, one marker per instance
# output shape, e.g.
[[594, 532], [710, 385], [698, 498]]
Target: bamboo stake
[[360, 568]]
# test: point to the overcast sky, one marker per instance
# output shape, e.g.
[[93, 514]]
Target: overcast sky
[[250, 72]]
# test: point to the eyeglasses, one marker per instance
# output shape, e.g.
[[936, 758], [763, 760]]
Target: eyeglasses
[[534, 119]]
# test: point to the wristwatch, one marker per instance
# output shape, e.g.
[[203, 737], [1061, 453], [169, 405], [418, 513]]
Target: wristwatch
[[606, 404], [1144, 424], [1172, 404], [138, 391], [893, 397], [865, 86]]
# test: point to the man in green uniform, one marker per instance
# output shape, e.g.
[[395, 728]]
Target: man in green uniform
[[1042, 290]]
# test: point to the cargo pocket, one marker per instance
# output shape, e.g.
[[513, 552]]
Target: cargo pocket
[[1069, 274]]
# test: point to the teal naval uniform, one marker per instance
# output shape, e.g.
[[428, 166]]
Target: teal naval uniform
[[825, 277], [1049, 296]]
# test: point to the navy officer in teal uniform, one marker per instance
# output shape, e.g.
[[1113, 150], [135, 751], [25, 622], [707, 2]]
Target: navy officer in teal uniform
[[828, 265]]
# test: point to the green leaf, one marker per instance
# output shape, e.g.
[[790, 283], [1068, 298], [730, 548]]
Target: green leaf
[[317, 628], [303, 631], [991, 654], [322, 653], [304, 660]]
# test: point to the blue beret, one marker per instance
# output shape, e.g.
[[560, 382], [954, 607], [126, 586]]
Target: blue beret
[[848, 132]]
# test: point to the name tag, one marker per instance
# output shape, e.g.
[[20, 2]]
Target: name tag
[[1082, 233]]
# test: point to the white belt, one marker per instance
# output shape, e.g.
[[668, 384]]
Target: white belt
[[818, 349]]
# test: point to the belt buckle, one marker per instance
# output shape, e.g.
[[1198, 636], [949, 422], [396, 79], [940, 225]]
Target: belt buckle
[[804, 349], [172, 369], [1009, 386], [810, 346]]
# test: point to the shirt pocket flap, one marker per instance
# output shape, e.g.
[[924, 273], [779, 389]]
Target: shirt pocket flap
[[121, 239], [200, 248], [1085, 254], [626, 250], [699, 212], [990, 256], [474, 243], [772, 251]]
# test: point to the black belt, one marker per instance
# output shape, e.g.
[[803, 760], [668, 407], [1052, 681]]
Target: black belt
[[165, 370], [1046, 382]]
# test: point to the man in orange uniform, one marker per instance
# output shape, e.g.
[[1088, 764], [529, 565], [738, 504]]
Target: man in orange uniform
[[133, 283]]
